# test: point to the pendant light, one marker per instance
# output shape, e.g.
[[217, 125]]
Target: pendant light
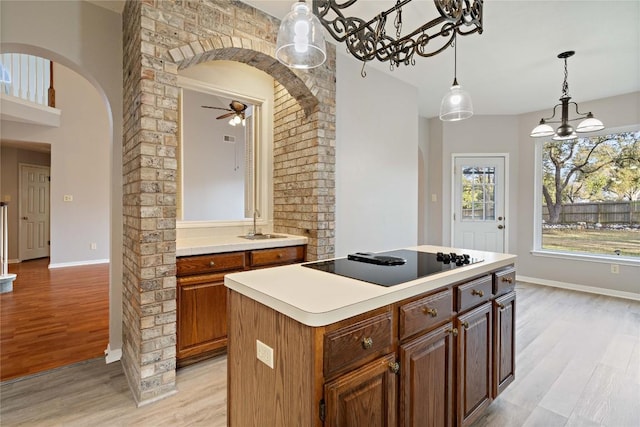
[[300, 42], [456, 104], [565, 131]]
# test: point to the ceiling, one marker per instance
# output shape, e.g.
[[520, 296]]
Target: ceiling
[[512, 67]]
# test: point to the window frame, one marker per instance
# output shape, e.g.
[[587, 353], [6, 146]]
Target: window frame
[[537, 249]]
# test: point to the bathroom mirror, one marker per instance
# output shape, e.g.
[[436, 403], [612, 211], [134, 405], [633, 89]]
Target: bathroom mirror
[[224, 169]]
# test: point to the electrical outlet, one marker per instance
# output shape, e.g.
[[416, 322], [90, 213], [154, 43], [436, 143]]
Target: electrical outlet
[[94, 246], [67, 198], [265, 353], [615, 269], [434, 197]]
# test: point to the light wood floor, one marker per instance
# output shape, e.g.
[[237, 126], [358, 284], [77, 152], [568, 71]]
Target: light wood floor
[[578, 364], [53, 318]]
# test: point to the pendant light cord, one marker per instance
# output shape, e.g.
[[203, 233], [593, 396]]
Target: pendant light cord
[[565, 84], [455, 59]]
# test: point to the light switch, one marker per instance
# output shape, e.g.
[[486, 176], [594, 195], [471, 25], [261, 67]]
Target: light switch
[[67, 198], [434, 197]]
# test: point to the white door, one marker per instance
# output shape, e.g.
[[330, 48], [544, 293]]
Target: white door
[[479, 203], [34, 212]]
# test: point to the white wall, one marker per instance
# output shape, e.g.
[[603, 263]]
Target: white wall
[[212, 169], [87, 39], [376, 160], [80, 168]]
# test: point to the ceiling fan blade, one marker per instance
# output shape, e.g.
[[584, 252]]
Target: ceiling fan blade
[[237, 106], [224, 116], [216, 108]]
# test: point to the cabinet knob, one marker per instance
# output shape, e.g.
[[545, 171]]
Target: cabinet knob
[[367, 343], [453, 332], [507, 279], [501, 305], [430, 311], [212, 264], [395, 367], [477, 292], [465, 324], [279, 255]]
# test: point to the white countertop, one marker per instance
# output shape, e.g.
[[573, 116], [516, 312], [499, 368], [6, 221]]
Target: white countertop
[[211, 245], [317, 298]]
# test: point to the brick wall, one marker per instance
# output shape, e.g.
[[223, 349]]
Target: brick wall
[[160, 37]]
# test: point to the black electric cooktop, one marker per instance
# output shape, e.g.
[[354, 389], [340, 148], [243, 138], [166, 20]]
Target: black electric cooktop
[[393, 267]]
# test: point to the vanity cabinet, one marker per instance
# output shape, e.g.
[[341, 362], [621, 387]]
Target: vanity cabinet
[[201, 326]]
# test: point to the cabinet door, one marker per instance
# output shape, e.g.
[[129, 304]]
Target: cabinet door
[[426, 380], [364, 397], [504, 335], [202, 317], [474, 363]]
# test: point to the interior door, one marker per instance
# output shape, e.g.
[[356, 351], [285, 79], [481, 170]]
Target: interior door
[[479, 203], [34, 212]]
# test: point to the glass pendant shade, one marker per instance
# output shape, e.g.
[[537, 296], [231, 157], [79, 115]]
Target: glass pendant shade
[[456, 104], [590, 124], [300, 42]]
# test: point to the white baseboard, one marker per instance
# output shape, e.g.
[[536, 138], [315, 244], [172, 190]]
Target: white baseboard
[[13, 261], [581, 288], [78, 263], [112, 355]]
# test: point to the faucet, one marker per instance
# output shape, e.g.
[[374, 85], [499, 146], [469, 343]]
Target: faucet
[[256, 213]]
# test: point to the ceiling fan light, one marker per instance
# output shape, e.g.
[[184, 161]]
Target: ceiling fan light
[[590, 124], [300, 43], [542, 130], [456, 105]]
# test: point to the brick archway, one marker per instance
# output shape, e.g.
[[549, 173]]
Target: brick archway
[[258, 54]]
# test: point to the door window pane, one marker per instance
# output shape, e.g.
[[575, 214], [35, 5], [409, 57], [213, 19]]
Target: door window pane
[[478, 193]]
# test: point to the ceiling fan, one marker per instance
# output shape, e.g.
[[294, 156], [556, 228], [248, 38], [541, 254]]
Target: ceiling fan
[[236, 113]]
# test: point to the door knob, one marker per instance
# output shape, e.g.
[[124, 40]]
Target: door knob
[[25, 218], [500, 227]]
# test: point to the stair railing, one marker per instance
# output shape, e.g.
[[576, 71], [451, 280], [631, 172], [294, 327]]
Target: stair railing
[[27, 77]]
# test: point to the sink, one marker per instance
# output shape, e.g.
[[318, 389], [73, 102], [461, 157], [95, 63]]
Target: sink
[[261, 236]]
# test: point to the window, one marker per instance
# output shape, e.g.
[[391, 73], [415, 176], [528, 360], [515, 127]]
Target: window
[[589, 203]]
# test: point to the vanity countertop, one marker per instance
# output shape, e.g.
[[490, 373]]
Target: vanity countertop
[[210, 245]]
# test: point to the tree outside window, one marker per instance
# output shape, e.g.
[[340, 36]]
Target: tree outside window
[[591, 194]]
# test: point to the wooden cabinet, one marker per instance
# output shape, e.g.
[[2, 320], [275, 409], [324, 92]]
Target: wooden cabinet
[[201, 326], [504, 337], [426, 379], [363, 397], [432, 360], [475, 363]]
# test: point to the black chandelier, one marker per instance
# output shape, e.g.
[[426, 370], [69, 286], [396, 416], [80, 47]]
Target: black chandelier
[[368, 40], [565, 131], [299, 39]]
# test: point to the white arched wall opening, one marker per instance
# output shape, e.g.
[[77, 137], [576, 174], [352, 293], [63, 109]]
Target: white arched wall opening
[[58, 30]]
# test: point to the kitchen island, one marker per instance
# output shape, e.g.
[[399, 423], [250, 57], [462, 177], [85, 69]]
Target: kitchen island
[[311, 348]]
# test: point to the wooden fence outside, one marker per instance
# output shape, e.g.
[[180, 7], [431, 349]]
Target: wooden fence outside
[[600, 212]]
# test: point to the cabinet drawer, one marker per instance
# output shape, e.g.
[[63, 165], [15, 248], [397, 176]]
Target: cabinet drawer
[[212, 263], [355, 344], [504, 281], [425, 313], [276, 256], [474, 293]]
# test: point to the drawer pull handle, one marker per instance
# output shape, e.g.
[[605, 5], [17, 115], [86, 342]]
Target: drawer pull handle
[[279, 255], [465, 324], [212, 264], [501, 305], [395, 367], [453, 332], [430, 311], [367, 343], [477, 292], [507, 279]]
